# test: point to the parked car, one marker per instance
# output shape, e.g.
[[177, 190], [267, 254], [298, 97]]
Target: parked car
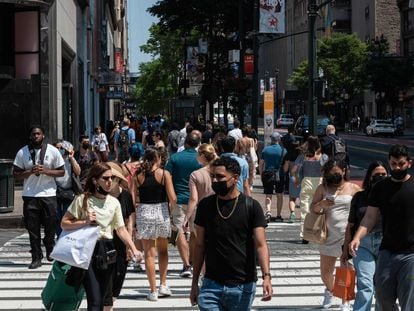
[[380, 127], [301, 127], [285, 120]]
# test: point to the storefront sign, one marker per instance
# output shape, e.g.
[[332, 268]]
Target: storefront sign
[[268, 115]]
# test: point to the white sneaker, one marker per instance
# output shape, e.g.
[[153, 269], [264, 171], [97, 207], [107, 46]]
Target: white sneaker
[[327, 299], [164, 291], [152, 296], [345, 307]]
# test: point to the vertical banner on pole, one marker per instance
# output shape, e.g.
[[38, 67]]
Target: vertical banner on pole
[[268, 116]]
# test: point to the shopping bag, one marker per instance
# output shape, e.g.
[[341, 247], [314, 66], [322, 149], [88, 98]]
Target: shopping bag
[[344, 286], [75, 247], [314, 228], [57, 294]]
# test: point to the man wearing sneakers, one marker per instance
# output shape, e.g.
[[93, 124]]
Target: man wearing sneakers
[[39, 163], [180, 166], [270, 168]]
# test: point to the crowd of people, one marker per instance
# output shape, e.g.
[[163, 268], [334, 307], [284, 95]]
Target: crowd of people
[[192, 187]]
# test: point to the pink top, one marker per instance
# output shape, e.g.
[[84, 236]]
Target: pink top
[[202, 180]]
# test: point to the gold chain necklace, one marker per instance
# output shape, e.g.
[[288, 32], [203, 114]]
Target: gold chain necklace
[[232, 210]]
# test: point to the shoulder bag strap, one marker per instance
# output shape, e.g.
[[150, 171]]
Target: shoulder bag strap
[[43, 153]]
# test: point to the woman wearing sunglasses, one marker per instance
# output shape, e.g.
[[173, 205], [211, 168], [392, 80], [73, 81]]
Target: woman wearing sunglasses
[[96, 208]]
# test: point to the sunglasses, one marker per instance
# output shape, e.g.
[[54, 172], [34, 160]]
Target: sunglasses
[[106, 178]]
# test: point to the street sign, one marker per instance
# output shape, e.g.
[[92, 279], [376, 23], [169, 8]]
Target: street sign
[[268, 115], [115, 95]]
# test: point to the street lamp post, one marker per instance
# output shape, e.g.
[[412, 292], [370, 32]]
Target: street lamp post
[[312, 13]]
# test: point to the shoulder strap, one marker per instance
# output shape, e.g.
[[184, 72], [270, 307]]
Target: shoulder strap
[[42, 153]]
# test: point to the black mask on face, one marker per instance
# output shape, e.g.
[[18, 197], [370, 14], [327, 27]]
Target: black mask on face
[[101, 190], [377, 178], [399, 174], [220, 187], [85, 145], [333, 179]]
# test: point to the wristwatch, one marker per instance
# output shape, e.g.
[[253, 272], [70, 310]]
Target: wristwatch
[[266, 274]]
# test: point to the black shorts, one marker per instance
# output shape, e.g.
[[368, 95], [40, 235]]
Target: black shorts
[[273, 187]]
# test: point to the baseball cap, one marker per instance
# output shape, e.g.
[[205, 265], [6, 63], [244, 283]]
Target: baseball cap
[[275, 136]]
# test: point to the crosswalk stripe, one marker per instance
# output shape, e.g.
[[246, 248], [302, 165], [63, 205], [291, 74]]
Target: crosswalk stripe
[[295, 270]]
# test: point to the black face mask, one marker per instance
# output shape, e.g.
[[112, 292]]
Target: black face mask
[[333, 179], [399, 174], [220, 187], [85, 146], [377, 178], [101, 190]]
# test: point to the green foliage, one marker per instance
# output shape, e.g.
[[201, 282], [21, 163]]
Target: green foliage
[[299, 77], [387, 73], [343, 58], [154, 88], [157, 82]]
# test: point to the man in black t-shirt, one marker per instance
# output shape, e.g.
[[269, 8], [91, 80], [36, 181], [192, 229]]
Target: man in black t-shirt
[[230, 231], [392, 198]]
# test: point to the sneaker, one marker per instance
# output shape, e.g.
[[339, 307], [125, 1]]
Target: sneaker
[[292, 218], [278, 219], [327, 299], [48, 252], [268, 216], [345, 307], [137, 267], [164, 291], [152, 296], [187, 272], [36, 263]]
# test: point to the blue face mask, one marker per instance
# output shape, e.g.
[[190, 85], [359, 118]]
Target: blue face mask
[[62, 152]]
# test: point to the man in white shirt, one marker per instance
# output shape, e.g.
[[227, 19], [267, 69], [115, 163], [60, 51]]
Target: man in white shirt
[[236, 133], [39, 163]]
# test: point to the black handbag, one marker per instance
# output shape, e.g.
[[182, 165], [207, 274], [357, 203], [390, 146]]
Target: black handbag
[[65, 194], [270, 176], [105, 254]]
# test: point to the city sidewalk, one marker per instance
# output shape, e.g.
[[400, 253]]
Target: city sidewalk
[[14, 219]]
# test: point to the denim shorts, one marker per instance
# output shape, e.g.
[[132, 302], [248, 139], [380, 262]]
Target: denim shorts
[[216, 297]]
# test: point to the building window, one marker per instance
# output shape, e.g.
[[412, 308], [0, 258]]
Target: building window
[[26, 44], [366, 12]]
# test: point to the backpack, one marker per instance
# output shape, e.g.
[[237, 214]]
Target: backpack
[[175, 139], [338, 150], [123, 140]]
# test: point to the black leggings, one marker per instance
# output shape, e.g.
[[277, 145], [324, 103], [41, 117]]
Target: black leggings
[[95, 284]]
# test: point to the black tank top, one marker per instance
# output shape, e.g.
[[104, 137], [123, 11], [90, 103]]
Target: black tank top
[[151, 191]]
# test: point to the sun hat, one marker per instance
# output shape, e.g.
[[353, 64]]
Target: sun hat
[[117, 172]]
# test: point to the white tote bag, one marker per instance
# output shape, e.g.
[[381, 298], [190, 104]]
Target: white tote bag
[[75, 247]]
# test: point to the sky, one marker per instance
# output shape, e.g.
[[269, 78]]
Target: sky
[[139, 21]]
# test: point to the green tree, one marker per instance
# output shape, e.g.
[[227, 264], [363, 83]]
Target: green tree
[[299, 76], [342, 58], [154, 88], [387, 73], [157, 82]]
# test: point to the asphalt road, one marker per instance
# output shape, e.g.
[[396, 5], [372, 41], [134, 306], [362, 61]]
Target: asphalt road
[[363, 150]]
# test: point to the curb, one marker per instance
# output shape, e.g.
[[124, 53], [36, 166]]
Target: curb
[[11, 222]]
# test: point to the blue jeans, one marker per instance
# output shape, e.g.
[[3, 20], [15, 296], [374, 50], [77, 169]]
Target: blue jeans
[[394, 279], [365, 263], [61, 208], [218, 297]]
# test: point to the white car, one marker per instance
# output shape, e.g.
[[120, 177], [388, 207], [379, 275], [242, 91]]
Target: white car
[[380, 127], [285, 120]]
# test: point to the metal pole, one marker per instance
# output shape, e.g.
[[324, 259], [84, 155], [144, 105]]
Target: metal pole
[[255, 93], [313, 104]]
